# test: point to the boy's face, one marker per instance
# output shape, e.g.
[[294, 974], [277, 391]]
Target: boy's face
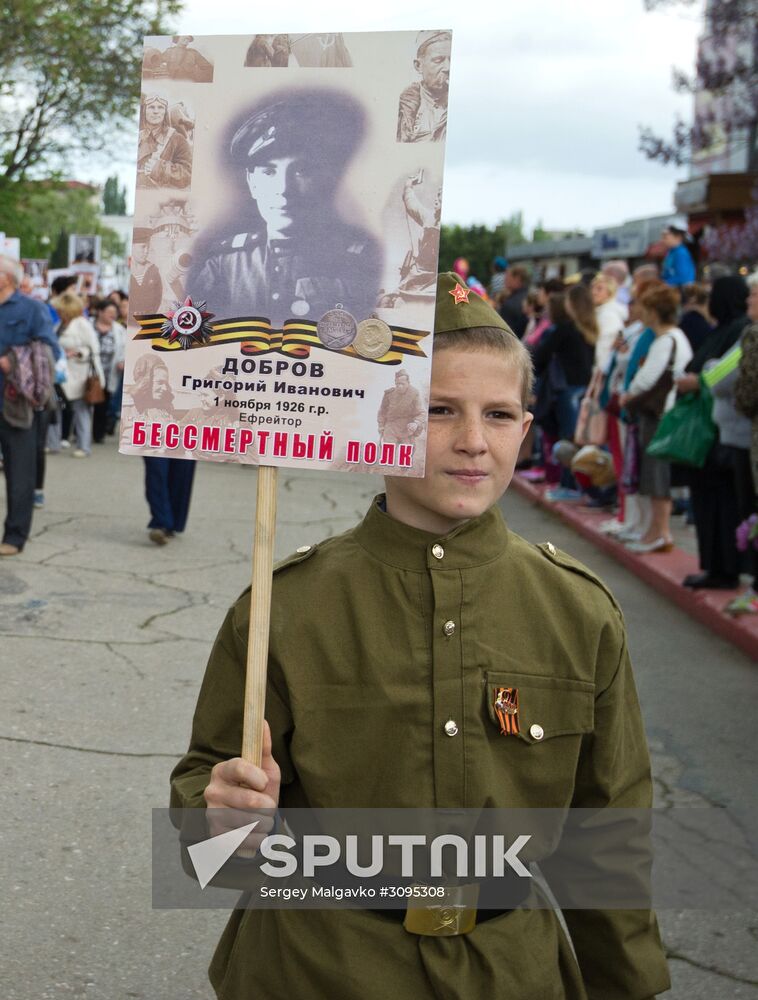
[[476, 426]]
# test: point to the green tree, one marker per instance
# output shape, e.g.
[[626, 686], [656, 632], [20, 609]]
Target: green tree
[[480, 245], [43, 213], [65, 71], [59, 256], [114, 197], [539, 234]]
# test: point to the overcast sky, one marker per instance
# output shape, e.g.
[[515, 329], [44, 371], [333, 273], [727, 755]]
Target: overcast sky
[[545, 97]]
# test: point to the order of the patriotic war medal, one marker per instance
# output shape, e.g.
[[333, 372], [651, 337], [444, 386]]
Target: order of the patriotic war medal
[[337, 329], [373, 339], [187, 324]]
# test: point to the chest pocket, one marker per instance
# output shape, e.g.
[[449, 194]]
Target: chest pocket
[[537, 709]]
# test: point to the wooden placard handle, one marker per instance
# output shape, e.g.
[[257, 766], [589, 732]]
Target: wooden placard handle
[[260, 615]]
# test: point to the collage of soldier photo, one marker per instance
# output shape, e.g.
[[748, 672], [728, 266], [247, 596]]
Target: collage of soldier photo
[[283, 157], [422, 108], [176, 58], [290, 215]]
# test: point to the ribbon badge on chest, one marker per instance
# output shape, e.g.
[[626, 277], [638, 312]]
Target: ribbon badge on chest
[[506, 710]]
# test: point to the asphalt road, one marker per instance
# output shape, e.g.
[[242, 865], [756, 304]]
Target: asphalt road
[[103, 641]]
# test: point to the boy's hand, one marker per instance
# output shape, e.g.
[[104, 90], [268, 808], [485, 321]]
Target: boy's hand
[[237, 784]]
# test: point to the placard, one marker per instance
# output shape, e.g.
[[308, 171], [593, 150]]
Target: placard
[[84, 249], [285, 249]]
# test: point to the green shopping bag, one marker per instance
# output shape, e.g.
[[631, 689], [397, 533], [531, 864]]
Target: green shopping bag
[[687, 432]]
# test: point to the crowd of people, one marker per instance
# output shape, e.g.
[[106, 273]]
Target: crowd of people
[[615, 353], [74, 397]]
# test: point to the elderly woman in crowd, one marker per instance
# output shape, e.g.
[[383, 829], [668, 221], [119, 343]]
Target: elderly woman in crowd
[[666, 361], [80, 343]]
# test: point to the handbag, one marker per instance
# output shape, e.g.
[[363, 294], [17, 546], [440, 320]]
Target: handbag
[[652, 401], [687, 432], [591, 424], [94, 392]]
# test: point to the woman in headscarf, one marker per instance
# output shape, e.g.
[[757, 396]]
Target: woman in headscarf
[[713, 488]]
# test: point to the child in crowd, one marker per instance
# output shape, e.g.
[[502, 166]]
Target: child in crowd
[[388, 647]]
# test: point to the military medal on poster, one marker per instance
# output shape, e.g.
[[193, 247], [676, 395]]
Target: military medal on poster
[[285, 249]]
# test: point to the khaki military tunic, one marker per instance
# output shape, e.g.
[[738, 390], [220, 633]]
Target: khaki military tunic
[[294, 278], [363, 676]]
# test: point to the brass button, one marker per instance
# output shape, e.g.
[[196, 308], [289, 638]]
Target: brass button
[[437, 551], [303, 548], [451, 728], [551, 548], [536, 732], [449, 628]]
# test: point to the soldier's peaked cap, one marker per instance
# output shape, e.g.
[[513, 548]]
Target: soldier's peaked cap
[[426, 38], [325, 124], [463, 310]]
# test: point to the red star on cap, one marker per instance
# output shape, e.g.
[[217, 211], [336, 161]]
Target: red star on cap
[[460, 294]]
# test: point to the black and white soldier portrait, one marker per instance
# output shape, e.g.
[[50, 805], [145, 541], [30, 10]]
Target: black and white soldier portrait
[[180, 60], [422, 108], [84, 249], [146, 284], [423, 209], [287, 253], [164, 151], [402, 413]]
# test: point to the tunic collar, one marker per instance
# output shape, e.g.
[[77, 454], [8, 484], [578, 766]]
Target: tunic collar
[[474, 543]]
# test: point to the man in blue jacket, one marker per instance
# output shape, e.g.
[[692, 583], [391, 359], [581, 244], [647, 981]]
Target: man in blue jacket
[[678, 265], [21, 320]]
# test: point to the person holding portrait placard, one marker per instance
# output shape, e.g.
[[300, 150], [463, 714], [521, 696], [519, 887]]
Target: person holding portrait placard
[[412, 638]]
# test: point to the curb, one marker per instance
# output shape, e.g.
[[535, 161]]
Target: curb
[[662, 571]]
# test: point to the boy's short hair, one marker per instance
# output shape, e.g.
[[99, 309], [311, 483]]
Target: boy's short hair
[[492, 338]]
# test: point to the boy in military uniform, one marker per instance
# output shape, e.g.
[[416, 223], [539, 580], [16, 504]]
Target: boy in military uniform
[[485, 612]]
